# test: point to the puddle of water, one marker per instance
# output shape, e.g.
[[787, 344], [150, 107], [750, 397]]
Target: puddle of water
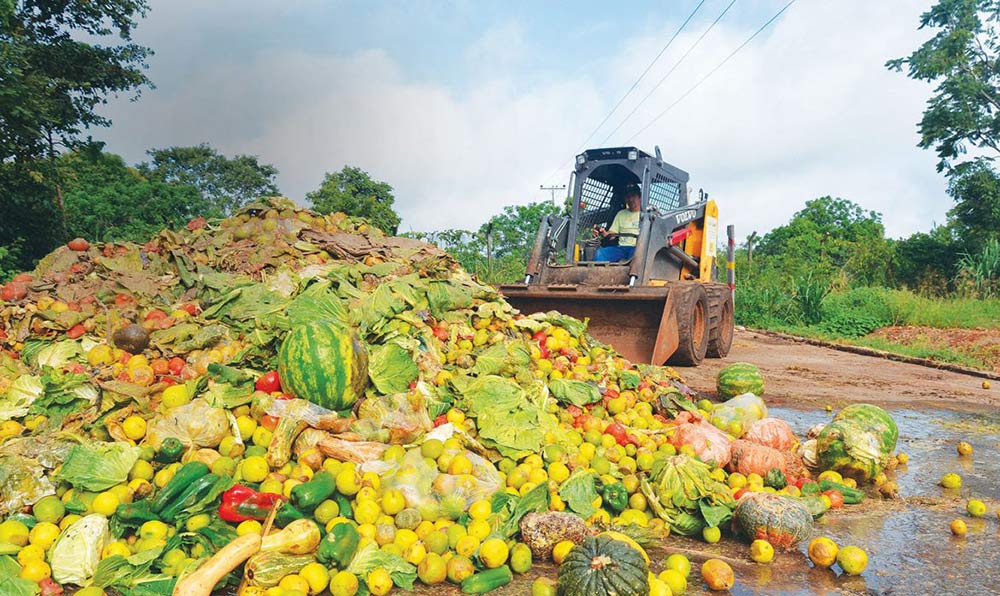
[[911, 550]]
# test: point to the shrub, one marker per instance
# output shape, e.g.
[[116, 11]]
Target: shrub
[[858, 312]]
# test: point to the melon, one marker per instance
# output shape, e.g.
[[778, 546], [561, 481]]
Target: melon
[[858, 442], [739, 378], [324, 363]]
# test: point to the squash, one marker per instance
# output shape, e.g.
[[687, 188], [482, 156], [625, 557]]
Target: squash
[[858, 443], [265, 569], [783, 521], [739, 378], [603, 566], [324, 363], [300, 537], [211, 572]]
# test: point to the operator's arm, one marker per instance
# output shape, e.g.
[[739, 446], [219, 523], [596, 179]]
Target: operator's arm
[[616, 225]]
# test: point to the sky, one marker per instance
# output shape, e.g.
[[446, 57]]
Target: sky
[[467, 106]]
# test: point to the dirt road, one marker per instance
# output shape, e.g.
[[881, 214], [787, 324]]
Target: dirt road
[[799, 373]]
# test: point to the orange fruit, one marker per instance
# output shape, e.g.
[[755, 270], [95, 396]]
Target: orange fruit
[[964, 448], [823, 552], [958, 527], [718, 575]]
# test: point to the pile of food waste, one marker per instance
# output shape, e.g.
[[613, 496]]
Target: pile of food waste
[[282, 403]]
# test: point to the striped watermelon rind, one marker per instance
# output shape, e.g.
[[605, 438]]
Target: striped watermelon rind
[[858, 442], [324, 363], [739, 378]]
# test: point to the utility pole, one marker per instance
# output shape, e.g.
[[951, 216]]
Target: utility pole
[[552, 189]]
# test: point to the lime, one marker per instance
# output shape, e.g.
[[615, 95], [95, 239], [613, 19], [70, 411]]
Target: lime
[[975, 508], [432, 570], [711, 534], [254, 468], [44, 535], [344, 583], [852, 560], [432, 448], [134, 427], [13, 532], [675, 580], [49, 509]]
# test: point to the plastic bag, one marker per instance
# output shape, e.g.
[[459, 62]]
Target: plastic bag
[[772, 432], [736, 415], [22, 482], [195, 424], [399, 419], [752, 458], [435, 494], [708, 442]]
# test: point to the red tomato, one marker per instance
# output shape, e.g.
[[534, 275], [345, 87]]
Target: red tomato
[[48, 587], [76, 331], [739, 493], [190, 308], [269, 422], [78, 244], [618, 432], [539, 336], [15, 290], [441, 419], [836, 499], [441, 333], [168, 381], [160, 366], [196, 224], [155, 315], [176, 365], [3, 335], [268, 382], [123, 300], [75, 368], [22, 278]]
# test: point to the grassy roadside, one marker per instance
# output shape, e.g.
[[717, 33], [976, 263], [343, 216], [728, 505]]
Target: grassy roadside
[[948, 330], [917, 349]]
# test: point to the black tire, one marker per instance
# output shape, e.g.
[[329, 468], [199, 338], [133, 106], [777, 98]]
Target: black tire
[[691, 310], [720, 330]]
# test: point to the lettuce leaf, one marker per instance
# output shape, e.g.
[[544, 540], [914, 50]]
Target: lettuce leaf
[[11, 584], [579, 492], [391, 368], [22, 393], [369, 557], [98, 466], [577, 393]]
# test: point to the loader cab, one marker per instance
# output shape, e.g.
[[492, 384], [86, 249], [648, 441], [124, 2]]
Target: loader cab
[[599, 182]]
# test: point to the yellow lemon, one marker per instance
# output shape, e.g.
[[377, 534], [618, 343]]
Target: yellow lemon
[[44, 535], [493, 553], [761, 551], [852, 560], [561, 549]]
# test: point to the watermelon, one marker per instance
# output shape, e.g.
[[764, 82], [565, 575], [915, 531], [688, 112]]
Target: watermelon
[[324, 363], [739, 378], [858, 443]]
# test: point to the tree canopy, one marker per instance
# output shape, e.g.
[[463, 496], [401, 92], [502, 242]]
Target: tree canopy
[[354, 192], [226, 183]]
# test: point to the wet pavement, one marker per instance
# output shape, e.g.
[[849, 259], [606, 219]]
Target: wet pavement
[[909, 545]]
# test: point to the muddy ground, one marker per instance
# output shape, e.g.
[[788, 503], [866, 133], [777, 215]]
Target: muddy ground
[[806, 375]]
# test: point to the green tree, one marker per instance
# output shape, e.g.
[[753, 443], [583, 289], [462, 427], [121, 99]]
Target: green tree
[[962, 59], [354, 192], [227, 183], [975, 186], [927, 261], [110, 201], [54, 73], [827, 236]]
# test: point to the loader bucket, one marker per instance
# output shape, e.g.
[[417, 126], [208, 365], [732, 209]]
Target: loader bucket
[[638, 322]]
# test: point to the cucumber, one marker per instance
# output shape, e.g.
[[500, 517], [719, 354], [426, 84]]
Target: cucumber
[[487, 581]]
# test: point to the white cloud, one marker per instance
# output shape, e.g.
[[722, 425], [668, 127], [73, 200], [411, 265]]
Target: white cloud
[[806, 110]]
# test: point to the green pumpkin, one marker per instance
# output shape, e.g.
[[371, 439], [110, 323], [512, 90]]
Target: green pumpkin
[[739, 378], [323, 363], [783, 521], [858, 442], [603, 566]]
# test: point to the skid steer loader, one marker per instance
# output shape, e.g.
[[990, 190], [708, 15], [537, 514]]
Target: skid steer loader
[[663, 304]]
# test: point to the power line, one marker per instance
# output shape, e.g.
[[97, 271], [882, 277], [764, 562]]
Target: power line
[[669, 72], [637, 81], [711, 72]]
